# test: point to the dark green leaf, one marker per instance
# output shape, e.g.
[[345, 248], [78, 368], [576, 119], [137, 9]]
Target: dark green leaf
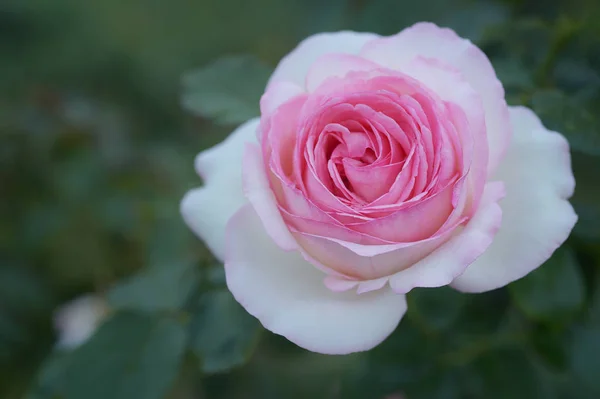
[[438, 308], [585, 357], [132, 356], [552, 292], [469, 19], [227, 90], [224, 334], [49, 383], [158, 288], [408, 356], [576, 118], [586, 199], [505, 374]]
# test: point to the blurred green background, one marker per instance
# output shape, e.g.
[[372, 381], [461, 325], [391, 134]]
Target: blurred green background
[[98, 133]]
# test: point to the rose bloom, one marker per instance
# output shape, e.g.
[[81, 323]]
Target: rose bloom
[[379, 164]]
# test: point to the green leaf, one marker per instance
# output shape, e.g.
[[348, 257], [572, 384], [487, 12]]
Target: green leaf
[[437, 308], [132, 356], [552, 292], [586, 199], [224, 334], [49, 382], [470, 20], [228, 90], [408, 356], [507, 373], [585, 357], [155, 289], [575, 117]]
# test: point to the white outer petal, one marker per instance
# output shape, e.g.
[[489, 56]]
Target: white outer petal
[[294, 66], [207, 209], [537, 218], [287, 294]]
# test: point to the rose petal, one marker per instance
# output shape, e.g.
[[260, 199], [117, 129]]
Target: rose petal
[[335, 65], [207, 209], [260, 195], [537, 218], [448, 261], [428, 40], [277, 94], [294, 66], [288, 296]]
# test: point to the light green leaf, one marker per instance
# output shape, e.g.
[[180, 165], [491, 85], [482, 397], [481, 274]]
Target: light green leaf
[[224, 335], [553, 291], [228, 90], [157, 288], [132, 356]]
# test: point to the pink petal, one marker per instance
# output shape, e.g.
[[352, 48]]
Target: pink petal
[[258, 192], [448, 261], [335, 65], [277, 94], [294, 66], [537, 218], [289, 298], [428, 40]]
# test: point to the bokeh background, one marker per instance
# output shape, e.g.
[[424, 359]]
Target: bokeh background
[[103, 105]]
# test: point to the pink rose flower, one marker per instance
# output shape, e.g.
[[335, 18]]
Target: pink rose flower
[[379, 164]]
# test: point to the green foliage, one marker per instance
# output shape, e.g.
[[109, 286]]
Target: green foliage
[[156, 289], [573, 116], [224, 335], [553, 291], [227, 90], [96, 153]]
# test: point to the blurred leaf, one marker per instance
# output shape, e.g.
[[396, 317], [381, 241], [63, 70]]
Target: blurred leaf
[[575, 74], [438, 308], [224, 334], [586, 199], [468, 19], [549, 345], [25, 313], [513, 74], [131, 356], [553, 291], [408, 356], [570, 116], [473, 20], [585, 357], [157, 288], [228, 90], [49, 383], [505, 374]]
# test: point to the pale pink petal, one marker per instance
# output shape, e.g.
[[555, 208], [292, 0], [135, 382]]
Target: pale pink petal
[[294, 66], [335, 65], [448, 261], [225, 158], [428, 40], [260, 195], [288, 296], [277, 94], [340, 256], [537, 218], [207, 209]]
